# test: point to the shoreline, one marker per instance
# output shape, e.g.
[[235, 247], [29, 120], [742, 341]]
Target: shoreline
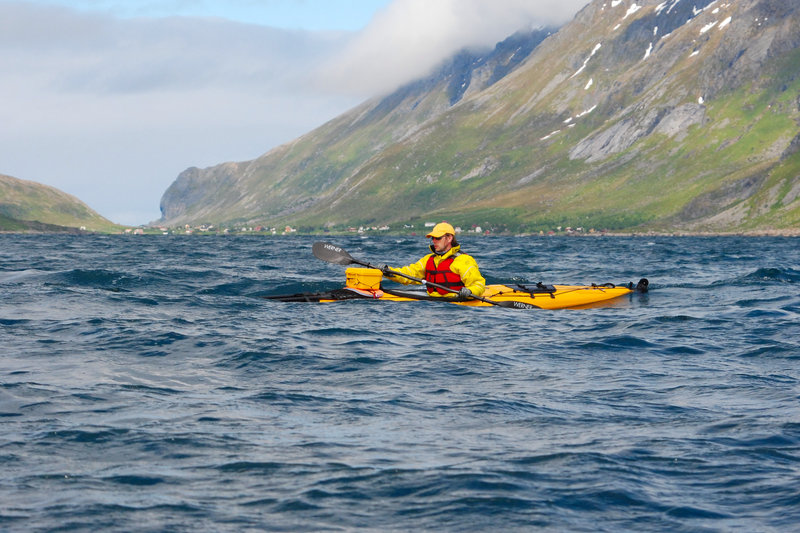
[[676, 233]]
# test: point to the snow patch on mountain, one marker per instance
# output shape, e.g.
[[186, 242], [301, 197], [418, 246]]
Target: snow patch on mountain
[[584, 113], [549, 135], [631, 10], [586, 61]]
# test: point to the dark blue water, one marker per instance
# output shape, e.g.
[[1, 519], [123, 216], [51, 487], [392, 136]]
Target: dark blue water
[[145, 385]]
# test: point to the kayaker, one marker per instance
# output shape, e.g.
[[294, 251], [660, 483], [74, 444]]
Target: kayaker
[[445, 265]]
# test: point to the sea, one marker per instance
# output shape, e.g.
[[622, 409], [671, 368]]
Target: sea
[[146, 384]]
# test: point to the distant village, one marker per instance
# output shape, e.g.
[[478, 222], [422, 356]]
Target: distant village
[[210, 229]]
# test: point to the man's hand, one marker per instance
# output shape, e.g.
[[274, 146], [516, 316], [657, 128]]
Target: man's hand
[[464, 293]]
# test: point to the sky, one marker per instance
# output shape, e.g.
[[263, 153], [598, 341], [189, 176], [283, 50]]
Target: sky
[[109, 100]]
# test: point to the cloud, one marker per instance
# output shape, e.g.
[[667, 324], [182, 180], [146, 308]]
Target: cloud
[[408, 38], [111, 109]]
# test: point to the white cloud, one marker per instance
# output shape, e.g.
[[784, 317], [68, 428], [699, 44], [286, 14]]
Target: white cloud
[[111, 110], [408, 38]]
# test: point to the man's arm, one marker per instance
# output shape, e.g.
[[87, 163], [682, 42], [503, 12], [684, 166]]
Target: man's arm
[[466, 267], [416, 270]]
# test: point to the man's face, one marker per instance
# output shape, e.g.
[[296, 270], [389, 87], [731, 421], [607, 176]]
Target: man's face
[[443, 243]]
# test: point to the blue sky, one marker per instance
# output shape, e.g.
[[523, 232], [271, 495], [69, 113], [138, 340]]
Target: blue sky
[[109, 100], [315, 15]]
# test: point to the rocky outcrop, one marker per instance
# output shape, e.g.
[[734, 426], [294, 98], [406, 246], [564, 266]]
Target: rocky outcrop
[[189, 193]]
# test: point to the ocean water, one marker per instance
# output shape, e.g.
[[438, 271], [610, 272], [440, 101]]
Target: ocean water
[[146, 385]]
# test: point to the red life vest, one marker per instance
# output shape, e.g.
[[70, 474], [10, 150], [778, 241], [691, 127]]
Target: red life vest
[[442, 275]]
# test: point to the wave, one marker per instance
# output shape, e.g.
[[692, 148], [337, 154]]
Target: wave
[[770, 275], [96, 278], [19, 275]]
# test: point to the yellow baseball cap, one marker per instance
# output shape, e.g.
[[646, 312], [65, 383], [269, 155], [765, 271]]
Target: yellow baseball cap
[[442, 228]]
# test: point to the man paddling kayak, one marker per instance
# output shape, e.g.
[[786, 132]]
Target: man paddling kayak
[[445, 265]]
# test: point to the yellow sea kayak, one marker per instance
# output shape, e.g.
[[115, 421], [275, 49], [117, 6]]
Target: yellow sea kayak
[[365, 283]]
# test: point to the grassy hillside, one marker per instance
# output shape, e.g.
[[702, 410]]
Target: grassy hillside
[[12, 225], [30, 206]]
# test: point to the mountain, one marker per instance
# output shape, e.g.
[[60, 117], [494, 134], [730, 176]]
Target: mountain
[[29, 206], [647, 115], [288, 181]]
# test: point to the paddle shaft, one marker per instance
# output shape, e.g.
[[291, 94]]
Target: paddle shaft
[[438, 286], [511, 304], [333, 254]]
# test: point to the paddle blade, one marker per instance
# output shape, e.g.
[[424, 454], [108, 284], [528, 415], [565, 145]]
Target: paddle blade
[[331, 253]]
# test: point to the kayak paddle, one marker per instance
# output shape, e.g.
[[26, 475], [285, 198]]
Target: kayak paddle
[[331, 253]]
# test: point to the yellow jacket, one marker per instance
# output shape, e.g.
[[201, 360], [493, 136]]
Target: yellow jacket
[[464, 265]]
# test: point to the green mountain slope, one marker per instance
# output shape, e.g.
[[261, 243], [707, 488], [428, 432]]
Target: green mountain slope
[[29, 206], [647, 115]]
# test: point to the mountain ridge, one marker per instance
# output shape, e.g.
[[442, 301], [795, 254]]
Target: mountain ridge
[[635, 116]]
